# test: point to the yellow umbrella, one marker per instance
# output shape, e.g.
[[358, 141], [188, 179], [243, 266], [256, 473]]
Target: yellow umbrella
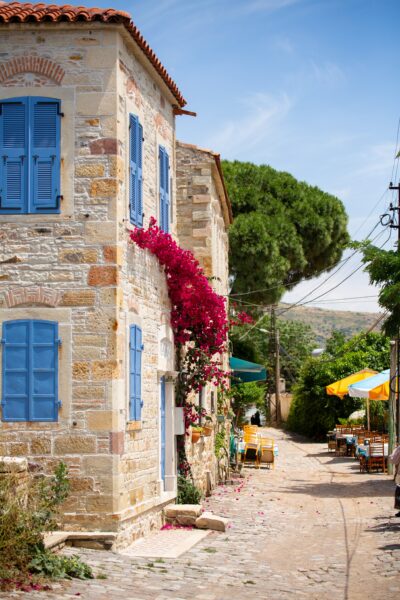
[[340, 388]]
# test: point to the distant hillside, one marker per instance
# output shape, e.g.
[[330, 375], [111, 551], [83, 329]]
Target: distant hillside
[[322, 321]]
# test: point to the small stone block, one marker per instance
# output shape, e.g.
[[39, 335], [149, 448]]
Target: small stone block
[[175, 511], [209, 521]]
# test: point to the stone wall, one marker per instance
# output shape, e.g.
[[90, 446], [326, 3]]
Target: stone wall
[[78, 268], [203, 219]]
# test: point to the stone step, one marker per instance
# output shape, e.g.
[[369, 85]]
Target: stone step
[[210, 521], [96, 540]]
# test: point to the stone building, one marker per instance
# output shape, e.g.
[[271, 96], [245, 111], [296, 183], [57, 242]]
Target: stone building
[[203, 217], [87, 128]]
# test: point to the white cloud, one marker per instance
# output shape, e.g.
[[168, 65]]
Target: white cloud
[[263, 112], [328, 74], [376, 159]]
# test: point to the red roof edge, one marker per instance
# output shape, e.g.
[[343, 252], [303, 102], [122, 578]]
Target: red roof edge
[[19, 12]]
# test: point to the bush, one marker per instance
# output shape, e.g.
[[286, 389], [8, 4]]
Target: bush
[[312, 411], [188, 493], [27, 510], [59, 567]]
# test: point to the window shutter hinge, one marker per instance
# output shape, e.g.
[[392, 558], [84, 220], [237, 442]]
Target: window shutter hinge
[[59, 113], [2, 341], [59, 403], [141, 404], [142, 347], [59, 341]]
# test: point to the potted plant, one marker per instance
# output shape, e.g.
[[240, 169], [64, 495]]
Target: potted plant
[[196, 433], [208, 426]]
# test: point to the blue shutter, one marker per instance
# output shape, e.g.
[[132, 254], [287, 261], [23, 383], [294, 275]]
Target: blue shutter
[[15, 367], [13, 155], [162, 428], [164, 189], [133, 198], [45, 154], [30, 371], [44, 371], [135, 171], [135, 373], [140, 176]]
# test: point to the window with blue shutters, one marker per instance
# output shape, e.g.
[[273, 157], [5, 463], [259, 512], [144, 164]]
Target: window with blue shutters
[[135, 171], [135, 373], [164, 189], [30, 155], [30, 371]]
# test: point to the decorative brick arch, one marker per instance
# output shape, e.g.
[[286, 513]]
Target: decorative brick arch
[[31, 64], [32, 295]]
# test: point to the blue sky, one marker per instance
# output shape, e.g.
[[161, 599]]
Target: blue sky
[[307, 86]]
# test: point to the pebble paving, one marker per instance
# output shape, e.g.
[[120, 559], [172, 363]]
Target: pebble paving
[[312, 528]]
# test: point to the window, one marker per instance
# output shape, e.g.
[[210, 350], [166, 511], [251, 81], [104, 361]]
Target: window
[[30, 371], [135, 171], [135, 373], [164, 189], [30, 156]]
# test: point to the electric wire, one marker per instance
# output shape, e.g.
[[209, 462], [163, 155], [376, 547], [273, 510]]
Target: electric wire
[[301, 303]]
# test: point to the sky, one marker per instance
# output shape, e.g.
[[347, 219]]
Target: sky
[[307, 86]]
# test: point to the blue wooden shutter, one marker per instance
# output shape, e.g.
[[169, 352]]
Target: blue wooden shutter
[[140, 175], [44, 371], [164, 189], [135, 171], [30, 371], [45, 154], [133, 199], [135, 373], [162, 428], [15, 368], [13, 155]]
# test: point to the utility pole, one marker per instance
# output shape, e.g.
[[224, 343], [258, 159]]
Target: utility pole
[[397, 226], [277, 368], [392, 400]]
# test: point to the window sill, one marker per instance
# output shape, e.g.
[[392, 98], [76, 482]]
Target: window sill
[[134, 426]]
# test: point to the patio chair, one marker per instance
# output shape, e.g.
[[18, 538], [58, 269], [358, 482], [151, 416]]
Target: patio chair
[[376, 459], [267, 455], [251, 449]]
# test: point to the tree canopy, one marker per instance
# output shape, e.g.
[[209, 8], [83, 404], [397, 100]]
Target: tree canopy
[[312, 411], [283, 230], [383, 267]]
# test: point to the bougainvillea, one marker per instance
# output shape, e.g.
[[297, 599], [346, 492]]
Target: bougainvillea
[[198, 320], [198, 313]]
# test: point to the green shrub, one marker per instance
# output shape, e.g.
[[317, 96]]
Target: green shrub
[[28, 509], [188, 493], [55, 566]]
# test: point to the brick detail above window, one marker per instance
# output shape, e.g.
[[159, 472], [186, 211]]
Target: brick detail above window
[[43, 68], [32, 295]]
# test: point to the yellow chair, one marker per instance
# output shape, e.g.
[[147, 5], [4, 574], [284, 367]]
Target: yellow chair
[[250, 429], [251, 449], [267, 455]]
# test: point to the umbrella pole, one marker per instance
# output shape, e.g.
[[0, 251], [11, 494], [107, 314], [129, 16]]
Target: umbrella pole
[[368, 422]]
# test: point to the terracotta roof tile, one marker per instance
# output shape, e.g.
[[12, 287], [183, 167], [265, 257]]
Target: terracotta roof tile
[[19, 12]]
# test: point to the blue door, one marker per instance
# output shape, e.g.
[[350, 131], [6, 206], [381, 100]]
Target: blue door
[[162, 432]]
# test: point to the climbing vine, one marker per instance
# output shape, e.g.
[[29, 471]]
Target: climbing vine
[[198, 320]]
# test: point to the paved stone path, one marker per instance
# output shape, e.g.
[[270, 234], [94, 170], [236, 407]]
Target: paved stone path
[[313, 528]]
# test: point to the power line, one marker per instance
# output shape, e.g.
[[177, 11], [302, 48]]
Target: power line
[[301, 303]]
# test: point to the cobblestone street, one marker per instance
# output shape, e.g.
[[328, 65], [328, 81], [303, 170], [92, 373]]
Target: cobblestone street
[[313, 527]]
